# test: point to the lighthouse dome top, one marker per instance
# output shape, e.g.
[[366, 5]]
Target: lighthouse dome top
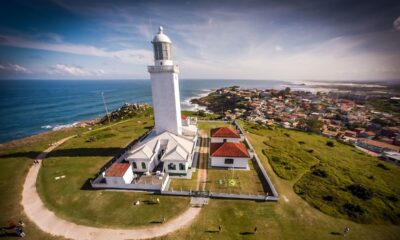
[[160, 36]]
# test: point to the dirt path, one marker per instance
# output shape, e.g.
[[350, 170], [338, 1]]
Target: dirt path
[[203, 159], [50, 223]]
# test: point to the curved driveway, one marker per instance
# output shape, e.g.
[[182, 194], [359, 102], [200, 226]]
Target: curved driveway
[[50, 223]]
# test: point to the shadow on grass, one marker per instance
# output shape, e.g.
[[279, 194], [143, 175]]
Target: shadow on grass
[[149, 202], [336, 233], [156, 222], [87, 186], [211, 231], [73, 152], [246, 233]]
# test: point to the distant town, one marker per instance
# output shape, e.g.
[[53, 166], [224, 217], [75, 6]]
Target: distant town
[[365, 119]]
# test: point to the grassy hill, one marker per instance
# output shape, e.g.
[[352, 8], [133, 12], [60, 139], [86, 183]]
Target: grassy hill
[[292, 217], [333, 177]]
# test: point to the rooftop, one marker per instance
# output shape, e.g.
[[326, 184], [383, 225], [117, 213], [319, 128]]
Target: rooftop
[[229, 149], [225, 132], [117, 170]]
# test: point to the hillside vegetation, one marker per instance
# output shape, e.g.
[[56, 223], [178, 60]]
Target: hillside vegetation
[[335, 178]]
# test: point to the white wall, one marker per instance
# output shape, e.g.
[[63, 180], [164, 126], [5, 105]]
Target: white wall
[[166, 102], [115, 181], [237, 162], [220, 140], [128, 176]]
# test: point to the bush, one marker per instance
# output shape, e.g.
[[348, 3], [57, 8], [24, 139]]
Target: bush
[[328, 198], [360, 191], [330, 144], [352, 210], [383, 166], [310, 150], [392, 198], [320, 173], [287, 134], [301, 142]]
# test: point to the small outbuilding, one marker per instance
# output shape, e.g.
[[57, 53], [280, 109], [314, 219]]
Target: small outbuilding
[[119, 174], [224, 134], [229, 155]]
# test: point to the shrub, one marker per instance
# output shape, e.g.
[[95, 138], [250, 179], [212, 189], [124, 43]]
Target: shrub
[[275, 159], [360, 191], [310, 150], [330, 144], [320, 173], [302, 142], [392, 198], [383, 166], [287, 134], [352, 210], [328, 198]]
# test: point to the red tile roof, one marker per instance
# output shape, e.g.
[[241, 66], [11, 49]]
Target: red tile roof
[[380, 144], [117, 170], [229, 149], [225, 132]]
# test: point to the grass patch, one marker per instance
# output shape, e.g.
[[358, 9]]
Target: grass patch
[[79, 160], [340, 181], [234, 181], [184, 184]]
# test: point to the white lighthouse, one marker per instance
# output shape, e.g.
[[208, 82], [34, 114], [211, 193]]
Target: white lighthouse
[[165, 87]]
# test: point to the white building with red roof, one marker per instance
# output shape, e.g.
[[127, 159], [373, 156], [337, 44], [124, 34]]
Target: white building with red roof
[[229, 155], [227, 150], [119, 173], [225, 134]]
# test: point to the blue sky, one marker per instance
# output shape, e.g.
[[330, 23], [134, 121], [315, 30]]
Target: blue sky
[[283, 40]]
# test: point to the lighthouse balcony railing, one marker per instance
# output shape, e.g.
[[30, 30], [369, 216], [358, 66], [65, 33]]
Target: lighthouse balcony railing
[[170, 68]]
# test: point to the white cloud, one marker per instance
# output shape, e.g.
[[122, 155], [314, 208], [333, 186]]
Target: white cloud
[[133, 56], [15, 68], [278, 48], [396, 24], [62, 69]]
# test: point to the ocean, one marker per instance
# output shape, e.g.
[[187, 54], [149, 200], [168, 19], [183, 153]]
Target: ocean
[[29, 107]]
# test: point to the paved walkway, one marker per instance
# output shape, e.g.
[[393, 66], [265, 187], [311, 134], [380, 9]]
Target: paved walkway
[[203, 159], [50, 223]]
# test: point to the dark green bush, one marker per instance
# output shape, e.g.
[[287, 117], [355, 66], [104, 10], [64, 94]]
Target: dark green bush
[[383, 166], [360, 191], [330, 144], [352, 210], [320, 173], [328, 198]]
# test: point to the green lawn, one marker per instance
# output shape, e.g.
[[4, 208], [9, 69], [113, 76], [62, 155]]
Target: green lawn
[[234, 181], [290, 218], [340, 180], [15, 159], [184, 184], [205, 127], [81, 158]]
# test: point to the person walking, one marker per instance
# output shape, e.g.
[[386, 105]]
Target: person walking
[[163, 220], [346, 231], [255, 230], [219, 228]]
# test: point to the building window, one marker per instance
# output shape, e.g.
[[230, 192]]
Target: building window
[[228, 160], [143, 165], [171, 166], [134, 165], [224, 140], [181, 166]]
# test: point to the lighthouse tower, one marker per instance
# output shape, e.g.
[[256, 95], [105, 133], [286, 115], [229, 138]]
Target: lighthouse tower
[[165, 87]]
